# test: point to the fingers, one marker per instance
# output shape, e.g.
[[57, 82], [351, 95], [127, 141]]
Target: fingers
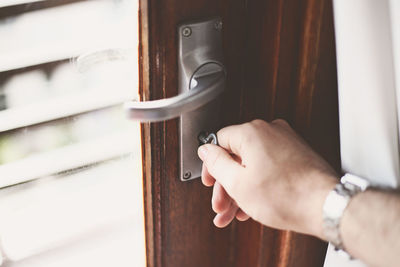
[[206, 178], [220, 201], [242, 216], [223, 219], [222, 168], [224, 206], [231, 138], [220, 165], [226, 217]]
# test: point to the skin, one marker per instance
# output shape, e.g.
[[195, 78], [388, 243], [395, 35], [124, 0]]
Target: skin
[[267, 172]]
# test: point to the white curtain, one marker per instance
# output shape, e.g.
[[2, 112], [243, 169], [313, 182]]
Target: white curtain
[[368, 61]]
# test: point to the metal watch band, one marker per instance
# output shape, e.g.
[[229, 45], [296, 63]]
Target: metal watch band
[[336, 203]]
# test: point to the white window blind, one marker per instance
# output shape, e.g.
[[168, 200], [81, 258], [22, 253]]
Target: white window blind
[[70, 162], [6, 3]]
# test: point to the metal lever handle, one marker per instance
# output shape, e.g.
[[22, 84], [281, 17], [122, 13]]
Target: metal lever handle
[[207, 83], [202, 78]]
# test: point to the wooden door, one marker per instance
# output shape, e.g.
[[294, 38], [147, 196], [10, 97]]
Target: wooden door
[[280, 57]]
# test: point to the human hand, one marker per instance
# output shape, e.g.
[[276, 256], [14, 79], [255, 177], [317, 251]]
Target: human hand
[[266, 171]]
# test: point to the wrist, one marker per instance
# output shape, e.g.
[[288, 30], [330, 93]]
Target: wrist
[[335, 205], [326, 183]]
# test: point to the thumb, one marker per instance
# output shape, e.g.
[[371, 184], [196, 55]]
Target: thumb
[[220, 165]]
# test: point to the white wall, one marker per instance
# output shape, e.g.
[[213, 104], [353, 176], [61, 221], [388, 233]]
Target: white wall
[[367, 93]]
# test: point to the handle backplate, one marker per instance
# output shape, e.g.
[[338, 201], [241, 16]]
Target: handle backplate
[[200, 57]]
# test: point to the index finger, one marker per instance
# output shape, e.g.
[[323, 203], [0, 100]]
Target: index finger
[[231, 138]]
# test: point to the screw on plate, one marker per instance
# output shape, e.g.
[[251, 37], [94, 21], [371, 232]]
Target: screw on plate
[[218, 25], [187, 175], [187, 31]]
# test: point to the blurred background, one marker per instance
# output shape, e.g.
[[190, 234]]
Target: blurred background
[[70, 162]]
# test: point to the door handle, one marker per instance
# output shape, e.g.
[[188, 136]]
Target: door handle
[[202, 78], [206, 84]]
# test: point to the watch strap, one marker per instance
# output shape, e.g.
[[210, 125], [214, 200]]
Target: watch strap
[[336, 203]]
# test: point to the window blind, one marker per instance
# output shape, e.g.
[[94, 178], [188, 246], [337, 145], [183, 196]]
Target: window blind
[[70, 164]]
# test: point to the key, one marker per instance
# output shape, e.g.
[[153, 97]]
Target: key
[[205, 138]]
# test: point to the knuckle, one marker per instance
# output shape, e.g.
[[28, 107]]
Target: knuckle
[[253, 128], [226, 132], [258, 122], [281, 122], [221, 133], [249, 127]]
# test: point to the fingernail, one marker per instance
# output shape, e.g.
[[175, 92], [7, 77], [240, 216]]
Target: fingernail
[[202, 152]]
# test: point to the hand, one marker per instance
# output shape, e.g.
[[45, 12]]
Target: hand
[[266, 171]]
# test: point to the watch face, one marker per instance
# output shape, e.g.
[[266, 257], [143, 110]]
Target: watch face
[[354, 183]]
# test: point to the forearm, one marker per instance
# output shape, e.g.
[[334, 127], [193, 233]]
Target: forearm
[[370, 228]]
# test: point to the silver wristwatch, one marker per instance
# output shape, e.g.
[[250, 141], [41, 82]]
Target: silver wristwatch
[[336, 203]]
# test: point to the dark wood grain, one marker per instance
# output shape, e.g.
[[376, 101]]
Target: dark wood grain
[[291, 74], [179, 226], [280, 57]]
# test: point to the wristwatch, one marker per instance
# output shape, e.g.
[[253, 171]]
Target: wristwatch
[[336, 203]]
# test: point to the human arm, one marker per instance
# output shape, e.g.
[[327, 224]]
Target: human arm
[[370, 227], [268, 171]]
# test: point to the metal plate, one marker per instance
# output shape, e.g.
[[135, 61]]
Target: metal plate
[[199, 43]]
